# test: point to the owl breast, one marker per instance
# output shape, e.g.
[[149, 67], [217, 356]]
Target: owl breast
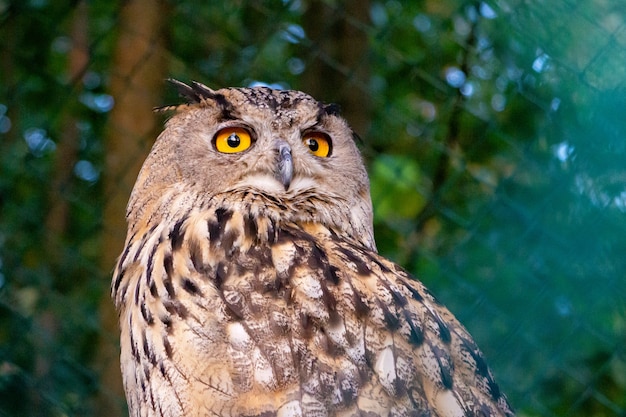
[[243, 316]]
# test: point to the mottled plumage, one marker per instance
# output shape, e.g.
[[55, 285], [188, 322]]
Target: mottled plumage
[[250, 284]]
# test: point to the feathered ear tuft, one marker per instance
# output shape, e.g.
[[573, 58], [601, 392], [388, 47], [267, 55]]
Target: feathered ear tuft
[[324, 109], [332, 109], [197, 93], [194, 93]]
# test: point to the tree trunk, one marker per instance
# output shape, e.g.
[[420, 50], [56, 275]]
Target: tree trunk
[[137, 78], [57, 217], [66, 154], [339, 68]]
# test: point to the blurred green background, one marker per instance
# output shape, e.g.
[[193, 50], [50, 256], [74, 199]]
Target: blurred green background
[[494, 133]]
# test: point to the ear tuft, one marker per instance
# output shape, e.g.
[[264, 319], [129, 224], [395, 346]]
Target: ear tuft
[[194, 93]]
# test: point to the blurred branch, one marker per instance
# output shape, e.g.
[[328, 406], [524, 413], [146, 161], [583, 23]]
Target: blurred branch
[[451, 145]]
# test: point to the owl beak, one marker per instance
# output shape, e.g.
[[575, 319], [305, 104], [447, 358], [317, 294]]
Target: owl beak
[[284, 173]]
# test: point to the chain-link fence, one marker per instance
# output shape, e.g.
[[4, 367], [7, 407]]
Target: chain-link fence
[[493, 132]]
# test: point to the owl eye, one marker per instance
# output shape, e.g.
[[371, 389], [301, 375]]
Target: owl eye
[[319, 144], [232, 140]]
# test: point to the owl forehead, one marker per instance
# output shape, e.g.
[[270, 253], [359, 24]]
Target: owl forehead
[[282, 108]]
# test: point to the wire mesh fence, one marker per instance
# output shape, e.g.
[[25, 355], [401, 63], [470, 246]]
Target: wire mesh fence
[[492, 130]]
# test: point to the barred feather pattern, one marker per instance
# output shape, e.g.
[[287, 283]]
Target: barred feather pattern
[[227, 314]]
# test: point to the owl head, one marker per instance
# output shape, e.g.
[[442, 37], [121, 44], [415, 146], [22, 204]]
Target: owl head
[[273, 153]]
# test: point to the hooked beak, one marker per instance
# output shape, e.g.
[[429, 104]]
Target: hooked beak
[[284, 173]]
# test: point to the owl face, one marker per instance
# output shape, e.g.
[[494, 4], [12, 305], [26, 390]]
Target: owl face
[[283, 152]]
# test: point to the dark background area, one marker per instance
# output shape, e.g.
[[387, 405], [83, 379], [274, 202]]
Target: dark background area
[[494, 134]]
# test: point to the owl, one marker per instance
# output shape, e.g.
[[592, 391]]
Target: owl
[[250, 284]]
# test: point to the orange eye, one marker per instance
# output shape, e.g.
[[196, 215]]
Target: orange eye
[[232, 140], [318, 143]]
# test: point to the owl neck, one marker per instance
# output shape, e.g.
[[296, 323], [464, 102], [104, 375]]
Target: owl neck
[[250, 218], [265, 215]]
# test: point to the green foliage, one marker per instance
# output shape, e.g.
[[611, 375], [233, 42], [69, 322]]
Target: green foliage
[[395, 181]]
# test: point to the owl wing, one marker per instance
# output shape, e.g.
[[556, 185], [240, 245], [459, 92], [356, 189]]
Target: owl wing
[[236, 316], [414, 348], [388, 347]]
